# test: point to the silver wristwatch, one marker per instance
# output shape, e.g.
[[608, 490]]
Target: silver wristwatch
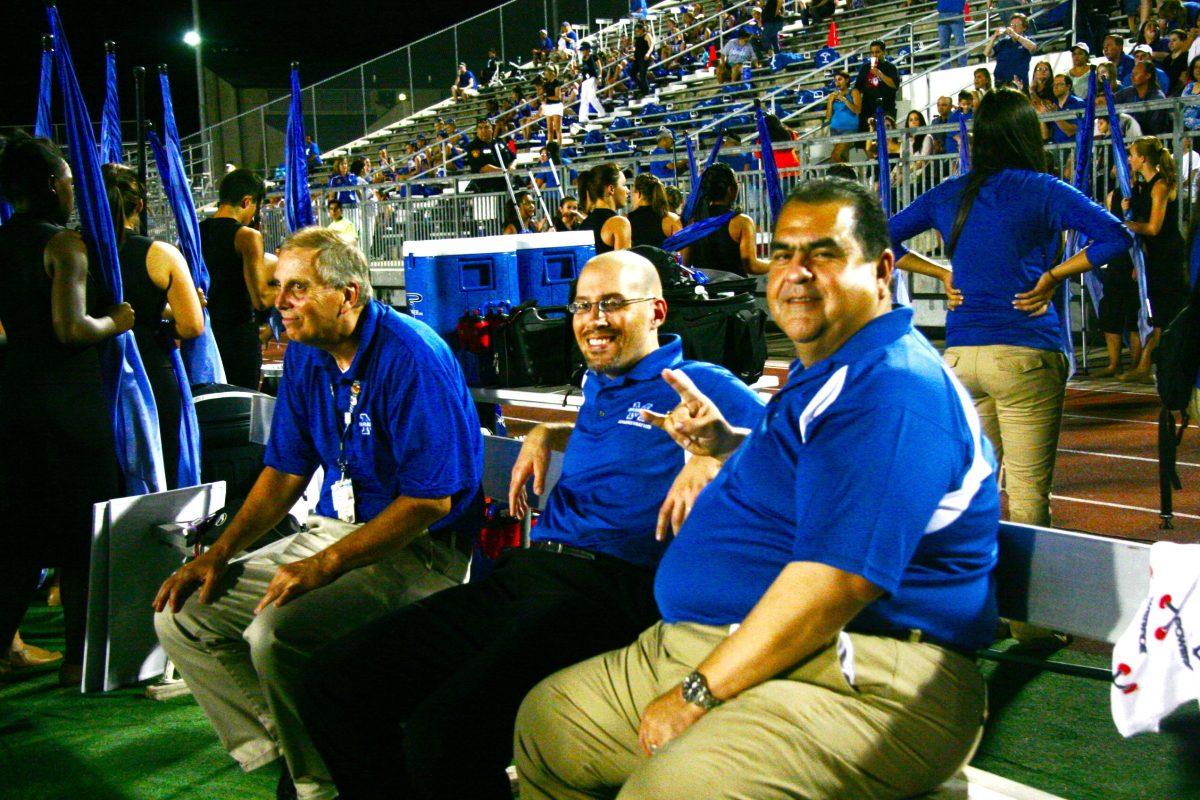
[[695, 691]]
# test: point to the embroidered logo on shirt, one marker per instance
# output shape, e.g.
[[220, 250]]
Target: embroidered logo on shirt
[[364, 424], [634, 415]]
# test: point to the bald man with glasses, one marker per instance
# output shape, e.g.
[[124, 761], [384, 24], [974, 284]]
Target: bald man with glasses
[[416, 691]]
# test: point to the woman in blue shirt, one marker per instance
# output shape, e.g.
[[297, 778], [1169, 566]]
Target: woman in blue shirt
[[1003, 224]]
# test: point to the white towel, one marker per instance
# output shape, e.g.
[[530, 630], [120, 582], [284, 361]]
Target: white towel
[[1156, 662]]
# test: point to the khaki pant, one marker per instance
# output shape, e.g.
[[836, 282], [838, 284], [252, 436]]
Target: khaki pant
[[1018, 392], [243, 669], [909, 722]]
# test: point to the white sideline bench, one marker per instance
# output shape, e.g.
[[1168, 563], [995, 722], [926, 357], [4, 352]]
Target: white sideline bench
[[1077, 583]]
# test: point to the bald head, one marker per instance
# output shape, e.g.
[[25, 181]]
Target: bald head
[[614, 341]]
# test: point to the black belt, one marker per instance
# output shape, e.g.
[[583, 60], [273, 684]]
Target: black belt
[[565, 550]]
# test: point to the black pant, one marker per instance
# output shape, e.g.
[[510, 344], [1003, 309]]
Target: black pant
[[421, 704], [639, 69], [241, 354]]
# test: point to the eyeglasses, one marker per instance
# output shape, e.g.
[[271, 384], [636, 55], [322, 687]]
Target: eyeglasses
[[607, 306]]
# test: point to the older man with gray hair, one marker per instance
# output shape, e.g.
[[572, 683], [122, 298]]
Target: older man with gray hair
[[378, 402]]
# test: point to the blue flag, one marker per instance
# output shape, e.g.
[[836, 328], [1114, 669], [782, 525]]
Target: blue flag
[[1081, 179], [899, 281], [1125, 180], [770, 169], [45, 89], [297, 203], [696, 231], [964, 147], [200, 356], [134, 415], [110, 121], [689, 208]]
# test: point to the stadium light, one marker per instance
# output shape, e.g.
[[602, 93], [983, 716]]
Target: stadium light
[[191, 39]]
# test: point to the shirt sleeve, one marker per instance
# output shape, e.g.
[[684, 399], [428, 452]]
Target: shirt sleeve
[[290, 448], [867, 485], [1068, 208], [913, 219], [738, 403]]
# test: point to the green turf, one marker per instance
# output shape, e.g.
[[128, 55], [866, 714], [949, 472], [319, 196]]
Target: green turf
[[1049, 731]]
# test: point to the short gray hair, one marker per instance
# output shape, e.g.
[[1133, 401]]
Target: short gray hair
[[338, 263]]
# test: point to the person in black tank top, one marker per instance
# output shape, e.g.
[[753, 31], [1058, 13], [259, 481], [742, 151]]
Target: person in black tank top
[[227, 249], [153, 273], [643, 43], [57, 456], [604, 189], [720, 249], [651, 220], [1162, 244]]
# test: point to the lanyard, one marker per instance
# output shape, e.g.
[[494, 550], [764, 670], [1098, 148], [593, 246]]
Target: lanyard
[[347, 421]]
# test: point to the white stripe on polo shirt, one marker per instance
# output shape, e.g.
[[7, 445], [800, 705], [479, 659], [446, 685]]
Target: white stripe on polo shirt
[[954, 503], [822, 400]]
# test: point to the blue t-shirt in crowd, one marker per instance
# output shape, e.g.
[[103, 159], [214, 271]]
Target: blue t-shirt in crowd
[[950, 143], [1125, 70], [347, 199], [617, 469], [466, 79], [950, 8], [1012, 61], [1010, 238], [414, 430], [871, 461], [660, 169], [1075, 103]]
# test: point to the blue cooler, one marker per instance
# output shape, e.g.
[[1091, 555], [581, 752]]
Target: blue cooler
[[547, 263], [444, 279]]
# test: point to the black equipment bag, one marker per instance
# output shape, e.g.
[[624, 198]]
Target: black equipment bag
[[535, 347], [226, 452], [1177, 362], [727, 330]]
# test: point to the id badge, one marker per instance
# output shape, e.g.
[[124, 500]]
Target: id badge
[[342, 492]]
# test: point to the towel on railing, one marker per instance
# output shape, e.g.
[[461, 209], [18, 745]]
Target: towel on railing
[[1156, 662]]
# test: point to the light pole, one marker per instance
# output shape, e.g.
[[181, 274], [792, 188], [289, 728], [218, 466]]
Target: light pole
[[193, 39]]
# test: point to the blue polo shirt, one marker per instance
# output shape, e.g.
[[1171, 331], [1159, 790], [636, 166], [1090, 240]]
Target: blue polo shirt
[[1125, 70], [414, 430], [617, 469], [1073, 102], [660, 169], [871, 461], [347, 199], [1012, 61], [950, 143]]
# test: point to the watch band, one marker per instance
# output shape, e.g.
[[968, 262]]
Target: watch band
[[696, 691]]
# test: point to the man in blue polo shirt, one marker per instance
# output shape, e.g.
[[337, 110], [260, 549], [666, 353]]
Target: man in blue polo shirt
[[1062, 131], [458, 664], [821, 602], [1013, 52], [378, 402]]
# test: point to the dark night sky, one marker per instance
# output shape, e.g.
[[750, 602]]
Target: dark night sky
[[326, 37]]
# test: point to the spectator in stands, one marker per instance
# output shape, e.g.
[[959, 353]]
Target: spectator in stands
[[785, 157], [786, 549], [397, 486], [1080, 69], [772, 25], [344, 178], [944, 110], [1150, 36], [583, 586], [950, 25], [663, 146], [916, 149], [1062, 131], [983, 81], [568, 217], [552, 106], [56, 441], [1191, 111], [1176, 65], [651, 221], [589, 72], [491, 70], [1173, 15], [1133, 13], [1041, 87], [606, 194], [542, 48], [339, 224], [733, 247], [1114, 53], [1145, 90], [1130, 130], [1119, 303], [1155, 207], [965, 111], [1004, 336], [485, 157], [643, 46], [737, 54], [522, 217], [842, 109], [893, 143], [815, 12], [1143, 53], [312, 152], [157, 282], [464, 84], [1013, 51], [387, 165], [568, 42], [240, 276], [878, 82]]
